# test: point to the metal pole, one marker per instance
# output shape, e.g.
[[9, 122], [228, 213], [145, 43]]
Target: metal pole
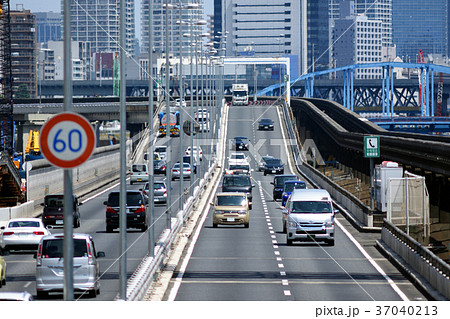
[[169, 150], [196, 103], [68, 192], [123, 161], [372, 204], [181, 111], [151, 235], [191, 39], [407, 204]]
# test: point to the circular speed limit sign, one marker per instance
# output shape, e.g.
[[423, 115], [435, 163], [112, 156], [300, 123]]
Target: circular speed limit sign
[[67, 140]]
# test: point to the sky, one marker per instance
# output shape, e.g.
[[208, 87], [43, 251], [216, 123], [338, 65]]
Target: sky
[[55, 6]]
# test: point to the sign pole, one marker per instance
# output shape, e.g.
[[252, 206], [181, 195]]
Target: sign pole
[[372, 150], [68, 191]]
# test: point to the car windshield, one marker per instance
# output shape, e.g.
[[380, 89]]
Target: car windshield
[[236, 181], [23, 223], [53, 248], [312, 207], [279, 180], [266, 121], [273, 161], [139, 168], [240, 93], [231, 200], [54, 201], [289, 187], [133, 199]]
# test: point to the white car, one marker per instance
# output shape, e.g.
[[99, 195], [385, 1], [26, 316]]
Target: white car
[[238, 156], [161, 150], [22, 234], [198, 152], [178, 103]]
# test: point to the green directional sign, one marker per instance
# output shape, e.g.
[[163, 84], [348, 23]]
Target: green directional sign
[[371, 146]]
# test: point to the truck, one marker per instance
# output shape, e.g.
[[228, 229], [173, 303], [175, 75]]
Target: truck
[[239, 94], [174, 123]]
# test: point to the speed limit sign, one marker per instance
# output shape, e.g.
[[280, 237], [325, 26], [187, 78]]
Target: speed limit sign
[[67, 140]]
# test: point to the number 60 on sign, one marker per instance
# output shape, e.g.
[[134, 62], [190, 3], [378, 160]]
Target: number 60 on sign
[[67, 140]]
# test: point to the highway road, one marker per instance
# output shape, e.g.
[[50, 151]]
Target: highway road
[[231, 263], [21, 266]]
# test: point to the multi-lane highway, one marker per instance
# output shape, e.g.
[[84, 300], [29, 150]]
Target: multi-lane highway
[[235, 263], [21, 266]]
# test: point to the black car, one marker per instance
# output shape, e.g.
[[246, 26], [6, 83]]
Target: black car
[[159, 167], [53, 213], [241, 143], [278, 184], [273, 166], [136, 210], [265, 124], [238, 183]]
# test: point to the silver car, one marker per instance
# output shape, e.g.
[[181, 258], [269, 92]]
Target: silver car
[[159, 192], [186, 171], [50, 265]]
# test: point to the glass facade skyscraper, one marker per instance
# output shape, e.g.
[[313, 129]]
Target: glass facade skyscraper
[[419, 24]]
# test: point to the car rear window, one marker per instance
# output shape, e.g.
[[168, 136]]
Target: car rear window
[[279, 180], [158, 185], [244, 167], [53, 248], [23, 223], [133, 199], [139, 168], [288, 187], [236, 181], [273, 161], [230, 200], [160, 149], [54, 201]]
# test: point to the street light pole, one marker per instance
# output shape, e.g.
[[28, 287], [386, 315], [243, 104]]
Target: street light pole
[[151, 235], [168, 170]]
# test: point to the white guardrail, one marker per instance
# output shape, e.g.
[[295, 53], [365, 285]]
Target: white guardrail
[[142, 278]]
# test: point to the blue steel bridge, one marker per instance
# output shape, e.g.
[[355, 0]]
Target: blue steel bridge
[[395, 104]]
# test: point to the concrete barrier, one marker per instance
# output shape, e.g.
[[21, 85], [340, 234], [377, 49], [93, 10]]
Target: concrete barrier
[[23, 210]]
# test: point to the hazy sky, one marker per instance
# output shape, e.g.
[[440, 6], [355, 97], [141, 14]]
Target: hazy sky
[[55, 6]]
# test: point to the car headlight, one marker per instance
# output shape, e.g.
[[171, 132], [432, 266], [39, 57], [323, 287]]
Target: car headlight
[[329, 224], [219, 212], [291, 223], [242, 212]]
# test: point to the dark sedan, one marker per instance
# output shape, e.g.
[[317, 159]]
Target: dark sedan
[[273, 166], [241, 143], [265, 124], [159, 167]]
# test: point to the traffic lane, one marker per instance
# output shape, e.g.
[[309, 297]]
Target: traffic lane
[[325, 268], [233, 263]]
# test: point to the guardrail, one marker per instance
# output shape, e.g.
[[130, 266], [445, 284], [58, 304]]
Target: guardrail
[[360, 213], [142, 278], [420, 258]]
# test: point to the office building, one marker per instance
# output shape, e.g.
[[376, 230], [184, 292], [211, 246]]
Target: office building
[[48, 26], [23, 51], [188, 16], [266, 28], [420, 25], [357, 40], [98, 22]]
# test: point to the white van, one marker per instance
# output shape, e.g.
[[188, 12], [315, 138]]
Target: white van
[[309, 216], [139, 173]]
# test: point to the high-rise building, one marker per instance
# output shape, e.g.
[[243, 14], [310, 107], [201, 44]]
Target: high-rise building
[[267, 28], [98, 22], [420, 25], [373, 9], [23, 50], [48, 26], [357, 40], [318, 35], [189, 17]]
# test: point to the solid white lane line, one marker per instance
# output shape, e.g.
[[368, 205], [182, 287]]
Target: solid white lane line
[[373, 262]]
